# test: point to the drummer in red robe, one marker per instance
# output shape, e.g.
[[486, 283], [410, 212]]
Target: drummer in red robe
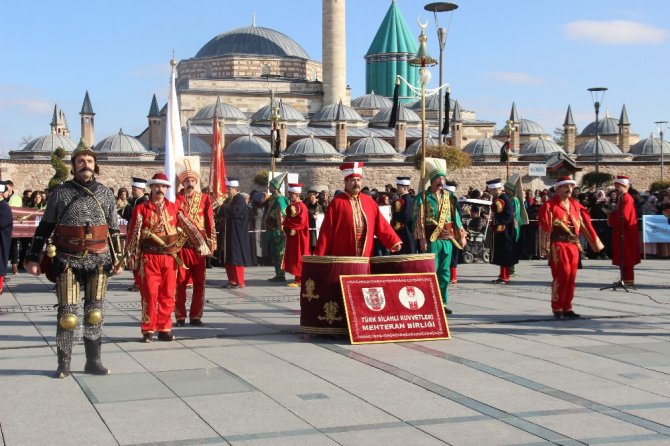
[[296, 229], [624, 231], [353, 219], [565, 219]]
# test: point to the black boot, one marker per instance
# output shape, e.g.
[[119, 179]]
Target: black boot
[[63, 370], [93, 364]]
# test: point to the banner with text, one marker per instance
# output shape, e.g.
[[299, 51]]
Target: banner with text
[[656, 229], [537, 170], [393, 308]]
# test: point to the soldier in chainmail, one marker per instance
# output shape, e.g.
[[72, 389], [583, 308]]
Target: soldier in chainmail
[[80, 225]]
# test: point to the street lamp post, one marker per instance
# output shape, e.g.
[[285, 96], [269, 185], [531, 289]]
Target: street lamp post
[[424, 61], [597, 94], [442, 40], [661, 125]]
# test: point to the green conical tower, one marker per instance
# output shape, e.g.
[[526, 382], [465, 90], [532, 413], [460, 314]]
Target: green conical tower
[[389, 55]]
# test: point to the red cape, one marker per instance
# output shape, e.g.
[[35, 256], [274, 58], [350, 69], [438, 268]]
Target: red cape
[[337, 236], [624, 219], [296, 228]]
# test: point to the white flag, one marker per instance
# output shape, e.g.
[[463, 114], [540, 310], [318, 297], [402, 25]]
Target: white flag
[[174, 145]]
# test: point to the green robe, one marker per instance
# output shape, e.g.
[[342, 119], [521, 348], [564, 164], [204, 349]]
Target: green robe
[[441, 248], [273, 218]]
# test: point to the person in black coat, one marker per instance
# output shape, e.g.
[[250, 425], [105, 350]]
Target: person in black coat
[[238, 240], [503, 250], [402, 210], [6, 224]]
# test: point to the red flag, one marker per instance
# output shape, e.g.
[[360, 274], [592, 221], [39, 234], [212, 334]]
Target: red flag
[[217, 172]]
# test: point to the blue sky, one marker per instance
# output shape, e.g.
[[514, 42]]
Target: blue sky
[[542, 55]]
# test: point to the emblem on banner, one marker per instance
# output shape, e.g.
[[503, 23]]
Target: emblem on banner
[[411, 297], [374, 298]]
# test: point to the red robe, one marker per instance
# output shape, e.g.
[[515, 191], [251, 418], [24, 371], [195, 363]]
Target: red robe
[[199, 208], [338, 231], [624, 219], [296, 228], [564, 250]]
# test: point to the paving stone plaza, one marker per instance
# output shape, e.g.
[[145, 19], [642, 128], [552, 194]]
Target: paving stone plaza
[[510, 375]]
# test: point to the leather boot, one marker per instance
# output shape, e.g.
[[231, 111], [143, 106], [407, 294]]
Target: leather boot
[[63, 370], [93, 364]]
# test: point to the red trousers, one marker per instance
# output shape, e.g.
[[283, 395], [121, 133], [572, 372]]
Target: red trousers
[[235, 274], [563, 261], [159, 277], [504, 273], [628, 275], [137, 280], [196, 265]]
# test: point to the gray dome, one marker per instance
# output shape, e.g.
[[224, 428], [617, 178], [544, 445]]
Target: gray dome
[[650, 147], [252, 41], [404, 114], [605, 148], [607, 126], [483, 147], [198, 146], [311, 147], [541, 147], [528, 127], [433, 103], [120, 143], [226, 112], [370, 146], [49, 143], [373, 101], [248, 146], [286, 113], [415, 147], [328, 114]]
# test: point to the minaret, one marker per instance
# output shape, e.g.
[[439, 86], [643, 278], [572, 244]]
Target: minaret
[[457, 127], [87, 124], [333, 43], [515, 142], [569, 132], [154, 118], [624, 131]]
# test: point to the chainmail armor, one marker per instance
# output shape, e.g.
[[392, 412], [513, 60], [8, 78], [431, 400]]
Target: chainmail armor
[[84, 208]]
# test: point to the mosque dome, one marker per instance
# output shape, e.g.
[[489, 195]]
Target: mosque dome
[[605, 148], [530, 128], [607, 126], [224, 111], [286, 112], [650, 147], [404, 114], [311, 148], [335, 112], [120, 144], [252, 41], [540, 147], [483, 147], [197, 147], [372, 101], [249, 145], [433, 103], [49, 143], [415, 147], [370, 146]]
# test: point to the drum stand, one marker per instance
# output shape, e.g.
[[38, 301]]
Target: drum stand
[[619, 283]]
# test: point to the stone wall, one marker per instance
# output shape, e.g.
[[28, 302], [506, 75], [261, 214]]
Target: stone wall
[[321, 174]]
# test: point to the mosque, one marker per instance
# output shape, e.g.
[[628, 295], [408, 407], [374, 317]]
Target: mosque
[[239, 75]]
